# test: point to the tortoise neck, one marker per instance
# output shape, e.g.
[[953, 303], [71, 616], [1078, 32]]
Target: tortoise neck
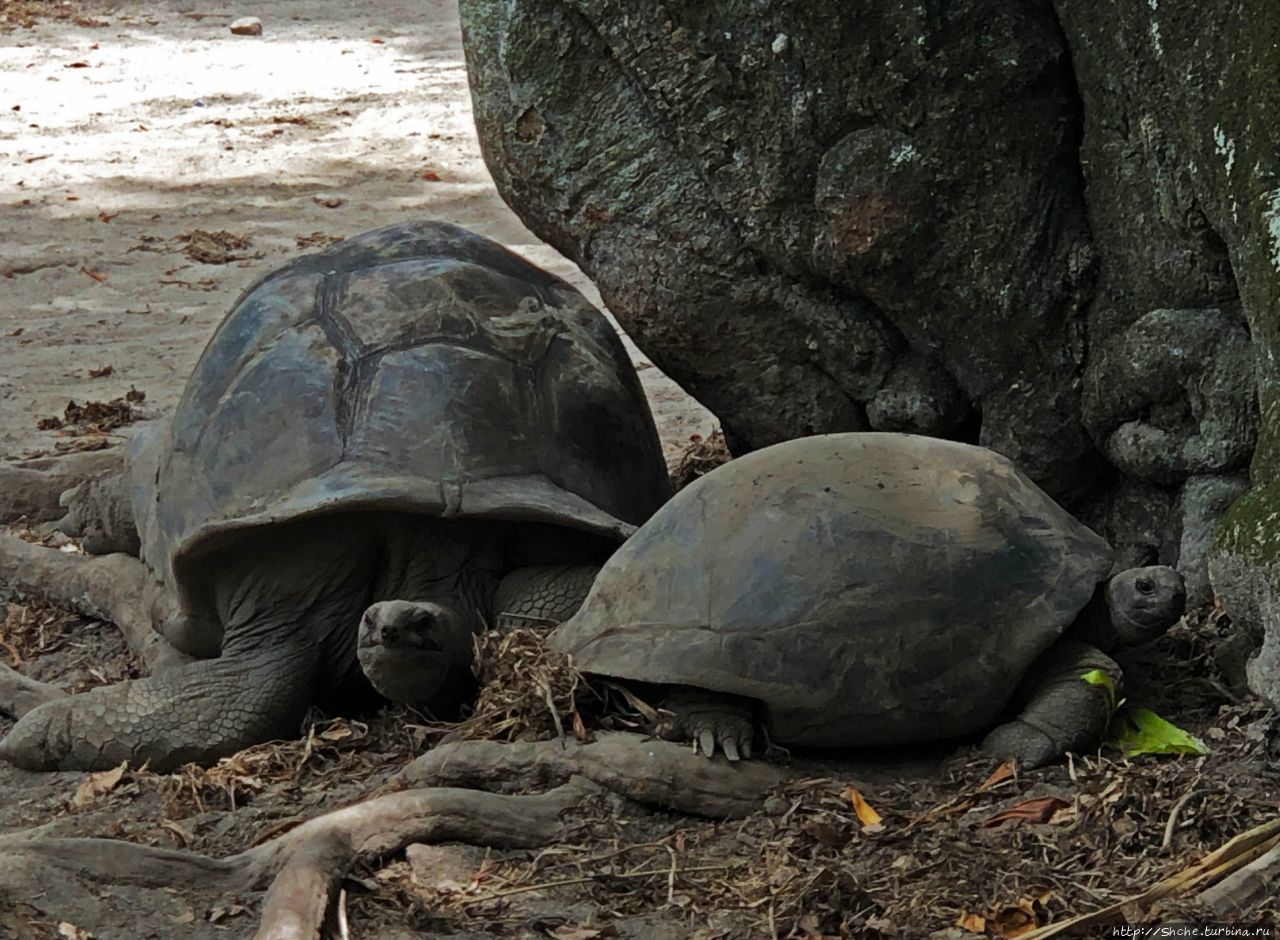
[[1093, 624]]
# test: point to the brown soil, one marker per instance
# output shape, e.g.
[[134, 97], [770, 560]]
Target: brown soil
[[961, 845]]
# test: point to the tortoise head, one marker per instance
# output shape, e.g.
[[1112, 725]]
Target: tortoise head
[[412, 651], [1144, 603]]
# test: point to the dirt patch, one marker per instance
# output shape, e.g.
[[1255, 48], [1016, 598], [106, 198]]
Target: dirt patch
[[24, 14], [215, 247]]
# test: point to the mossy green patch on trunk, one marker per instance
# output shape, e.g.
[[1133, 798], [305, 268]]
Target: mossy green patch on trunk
[[1251, 528]]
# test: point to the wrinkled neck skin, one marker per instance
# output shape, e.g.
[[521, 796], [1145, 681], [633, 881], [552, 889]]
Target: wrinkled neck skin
[[300, 585], [453, 564], [299, 590], [1093, 625]]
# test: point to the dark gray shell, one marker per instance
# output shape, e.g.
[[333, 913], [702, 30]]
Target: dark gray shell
[[418, 367], [868, 588]]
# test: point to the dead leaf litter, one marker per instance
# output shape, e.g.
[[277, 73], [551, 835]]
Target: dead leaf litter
[[839, 852]]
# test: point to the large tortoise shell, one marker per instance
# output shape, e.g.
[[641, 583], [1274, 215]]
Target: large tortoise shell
[[418, 367], [867, 588]]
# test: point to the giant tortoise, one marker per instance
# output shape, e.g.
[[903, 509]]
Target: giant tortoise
[[867, 589], [413, 415]]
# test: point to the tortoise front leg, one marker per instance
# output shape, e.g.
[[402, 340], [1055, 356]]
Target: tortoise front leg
[[199, 712], [100, 513], [1070, 693], [542, 595]]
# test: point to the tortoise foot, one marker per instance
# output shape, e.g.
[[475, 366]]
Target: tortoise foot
[[1029, 746], [712, 720]]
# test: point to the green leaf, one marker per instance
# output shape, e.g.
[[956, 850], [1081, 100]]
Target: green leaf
[[1141, 731], [1102, 680]]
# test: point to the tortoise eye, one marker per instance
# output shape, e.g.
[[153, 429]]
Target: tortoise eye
[[1145, 586]]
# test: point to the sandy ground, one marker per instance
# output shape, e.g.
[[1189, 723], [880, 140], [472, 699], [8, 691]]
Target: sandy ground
[[130, 125]]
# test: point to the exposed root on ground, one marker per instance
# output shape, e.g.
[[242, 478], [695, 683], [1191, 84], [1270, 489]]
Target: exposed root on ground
[[115, 587], [31, 489], [657, 773], [19, 694], [585, 787], [300, 868]]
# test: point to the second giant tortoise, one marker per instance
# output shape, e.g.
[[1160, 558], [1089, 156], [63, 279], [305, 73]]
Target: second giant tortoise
[[415, 424], [866, 589]]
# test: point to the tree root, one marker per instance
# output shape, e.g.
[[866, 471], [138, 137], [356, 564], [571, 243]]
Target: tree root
[[301, 868], [19, 694], [31, 489], [113, 587], [658, 773], [1245, 886]]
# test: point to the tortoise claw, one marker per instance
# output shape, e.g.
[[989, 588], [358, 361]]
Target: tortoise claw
[[707, 741], [713, 721]]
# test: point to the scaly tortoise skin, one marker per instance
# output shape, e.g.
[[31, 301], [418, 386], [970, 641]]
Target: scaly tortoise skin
[[408, 416], [867, 589]]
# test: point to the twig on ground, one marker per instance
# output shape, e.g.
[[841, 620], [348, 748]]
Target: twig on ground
[[1172, 821]]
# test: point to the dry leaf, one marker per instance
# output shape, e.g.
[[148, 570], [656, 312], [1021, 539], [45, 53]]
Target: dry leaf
[[866, 814], [71, 932], [973, 923], [220, 913], [1064, 816], [329, 202], [1014, 920], [431, 176], [837, 837], [1005, 771], [1035, 811], [184, 835], [882, 925], [575, 932], [76, 65], [96, 275], [96, 785], [107, 216], [101, 373], [336, 733]]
